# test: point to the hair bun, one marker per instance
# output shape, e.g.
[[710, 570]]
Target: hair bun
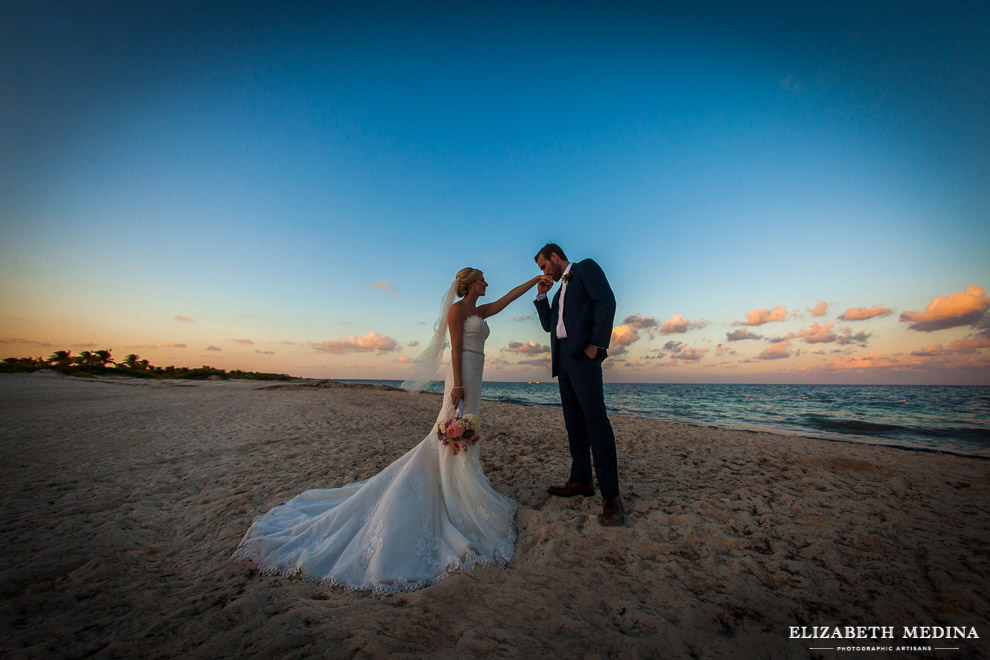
[[465, 278]]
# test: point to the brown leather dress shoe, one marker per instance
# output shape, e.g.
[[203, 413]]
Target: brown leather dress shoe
[[612, 515], [572, 488]]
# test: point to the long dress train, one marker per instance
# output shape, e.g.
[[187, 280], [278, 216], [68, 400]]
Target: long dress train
[[429, 513]]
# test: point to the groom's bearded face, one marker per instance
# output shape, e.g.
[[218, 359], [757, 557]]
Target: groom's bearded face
[[553, 266]]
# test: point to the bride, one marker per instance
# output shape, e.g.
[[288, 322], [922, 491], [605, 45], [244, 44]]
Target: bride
[[431, 512]]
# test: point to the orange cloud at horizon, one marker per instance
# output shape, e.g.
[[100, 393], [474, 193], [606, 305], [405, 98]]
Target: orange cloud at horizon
[[764, 315], [527, 348], [957, 347], [869, 361], [818, 334], [677, 324], [820, 308], [741, 334], [865, 313], [780, 349], [970, 345], [956, 309], [370, 342], [690, 355], [640, 322], [622, 336]]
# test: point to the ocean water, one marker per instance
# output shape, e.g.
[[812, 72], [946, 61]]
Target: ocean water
[[920, 417]]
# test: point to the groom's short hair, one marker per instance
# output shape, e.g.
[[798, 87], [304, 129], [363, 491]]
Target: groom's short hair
[[547, 250]]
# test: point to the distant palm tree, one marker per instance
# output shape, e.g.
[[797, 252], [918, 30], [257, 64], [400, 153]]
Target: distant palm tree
[[103, 358], [86, 358], [61, 358], [131, 361]]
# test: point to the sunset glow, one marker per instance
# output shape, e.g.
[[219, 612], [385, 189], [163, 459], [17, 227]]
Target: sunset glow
[[782, 194]]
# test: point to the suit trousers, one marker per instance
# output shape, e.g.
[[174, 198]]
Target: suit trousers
[[589, 433]]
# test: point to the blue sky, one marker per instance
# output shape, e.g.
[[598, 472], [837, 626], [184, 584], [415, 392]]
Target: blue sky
[[179, 179]]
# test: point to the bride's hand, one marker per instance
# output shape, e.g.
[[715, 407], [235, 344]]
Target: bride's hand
[[543, 284], [456, 395]]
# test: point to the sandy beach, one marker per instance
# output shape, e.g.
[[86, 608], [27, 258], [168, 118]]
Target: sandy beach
[[123, 501]]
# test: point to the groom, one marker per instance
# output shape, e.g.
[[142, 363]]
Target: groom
[[580, 325]]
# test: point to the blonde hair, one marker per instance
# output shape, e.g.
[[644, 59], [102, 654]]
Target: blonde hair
[[466, 277]]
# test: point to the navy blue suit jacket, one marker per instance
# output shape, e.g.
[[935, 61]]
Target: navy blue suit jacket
[[589, 311]]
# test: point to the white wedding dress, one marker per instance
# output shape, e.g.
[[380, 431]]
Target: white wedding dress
[[429, 513]]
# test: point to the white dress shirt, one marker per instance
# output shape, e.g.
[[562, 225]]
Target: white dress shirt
[[561, 330]]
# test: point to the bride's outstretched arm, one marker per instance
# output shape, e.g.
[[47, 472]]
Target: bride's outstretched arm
[[493, 308]]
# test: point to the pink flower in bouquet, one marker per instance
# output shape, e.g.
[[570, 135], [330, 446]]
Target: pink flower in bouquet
[[459, 432]]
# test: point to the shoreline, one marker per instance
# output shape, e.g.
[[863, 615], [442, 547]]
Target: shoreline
[[751, 428], [378, 385], [124, 501]]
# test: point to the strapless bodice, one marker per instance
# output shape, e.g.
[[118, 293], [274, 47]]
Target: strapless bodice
[[475, 333]]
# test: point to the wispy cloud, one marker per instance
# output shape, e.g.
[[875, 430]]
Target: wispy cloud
[[847, 337], [970, 345], [414, 342], [19, 340], [931, 351], [741, 334], [384, 286], [764, 315], [371, 342], [246, 342], [865, 313], [867, 361], [85, 344], [184, 319], [213, 348], [537, 362], [523, 318], [677, 324], [951, 311], [958, 347], [792, 84], [264, 352]]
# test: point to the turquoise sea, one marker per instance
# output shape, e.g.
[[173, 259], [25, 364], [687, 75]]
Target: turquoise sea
[[920, 417]]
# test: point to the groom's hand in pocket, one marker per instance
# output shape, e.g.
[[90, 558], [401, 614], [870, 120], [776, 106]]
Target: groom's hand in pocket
[[591, 352]]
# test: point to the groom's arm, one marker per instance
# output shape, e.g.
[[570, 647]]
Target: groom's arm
[[602, 301], [543, 310]]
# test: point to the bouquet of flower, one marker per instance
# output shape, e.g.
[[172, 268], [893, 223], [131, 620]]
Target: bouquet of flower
[[459, 432]]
